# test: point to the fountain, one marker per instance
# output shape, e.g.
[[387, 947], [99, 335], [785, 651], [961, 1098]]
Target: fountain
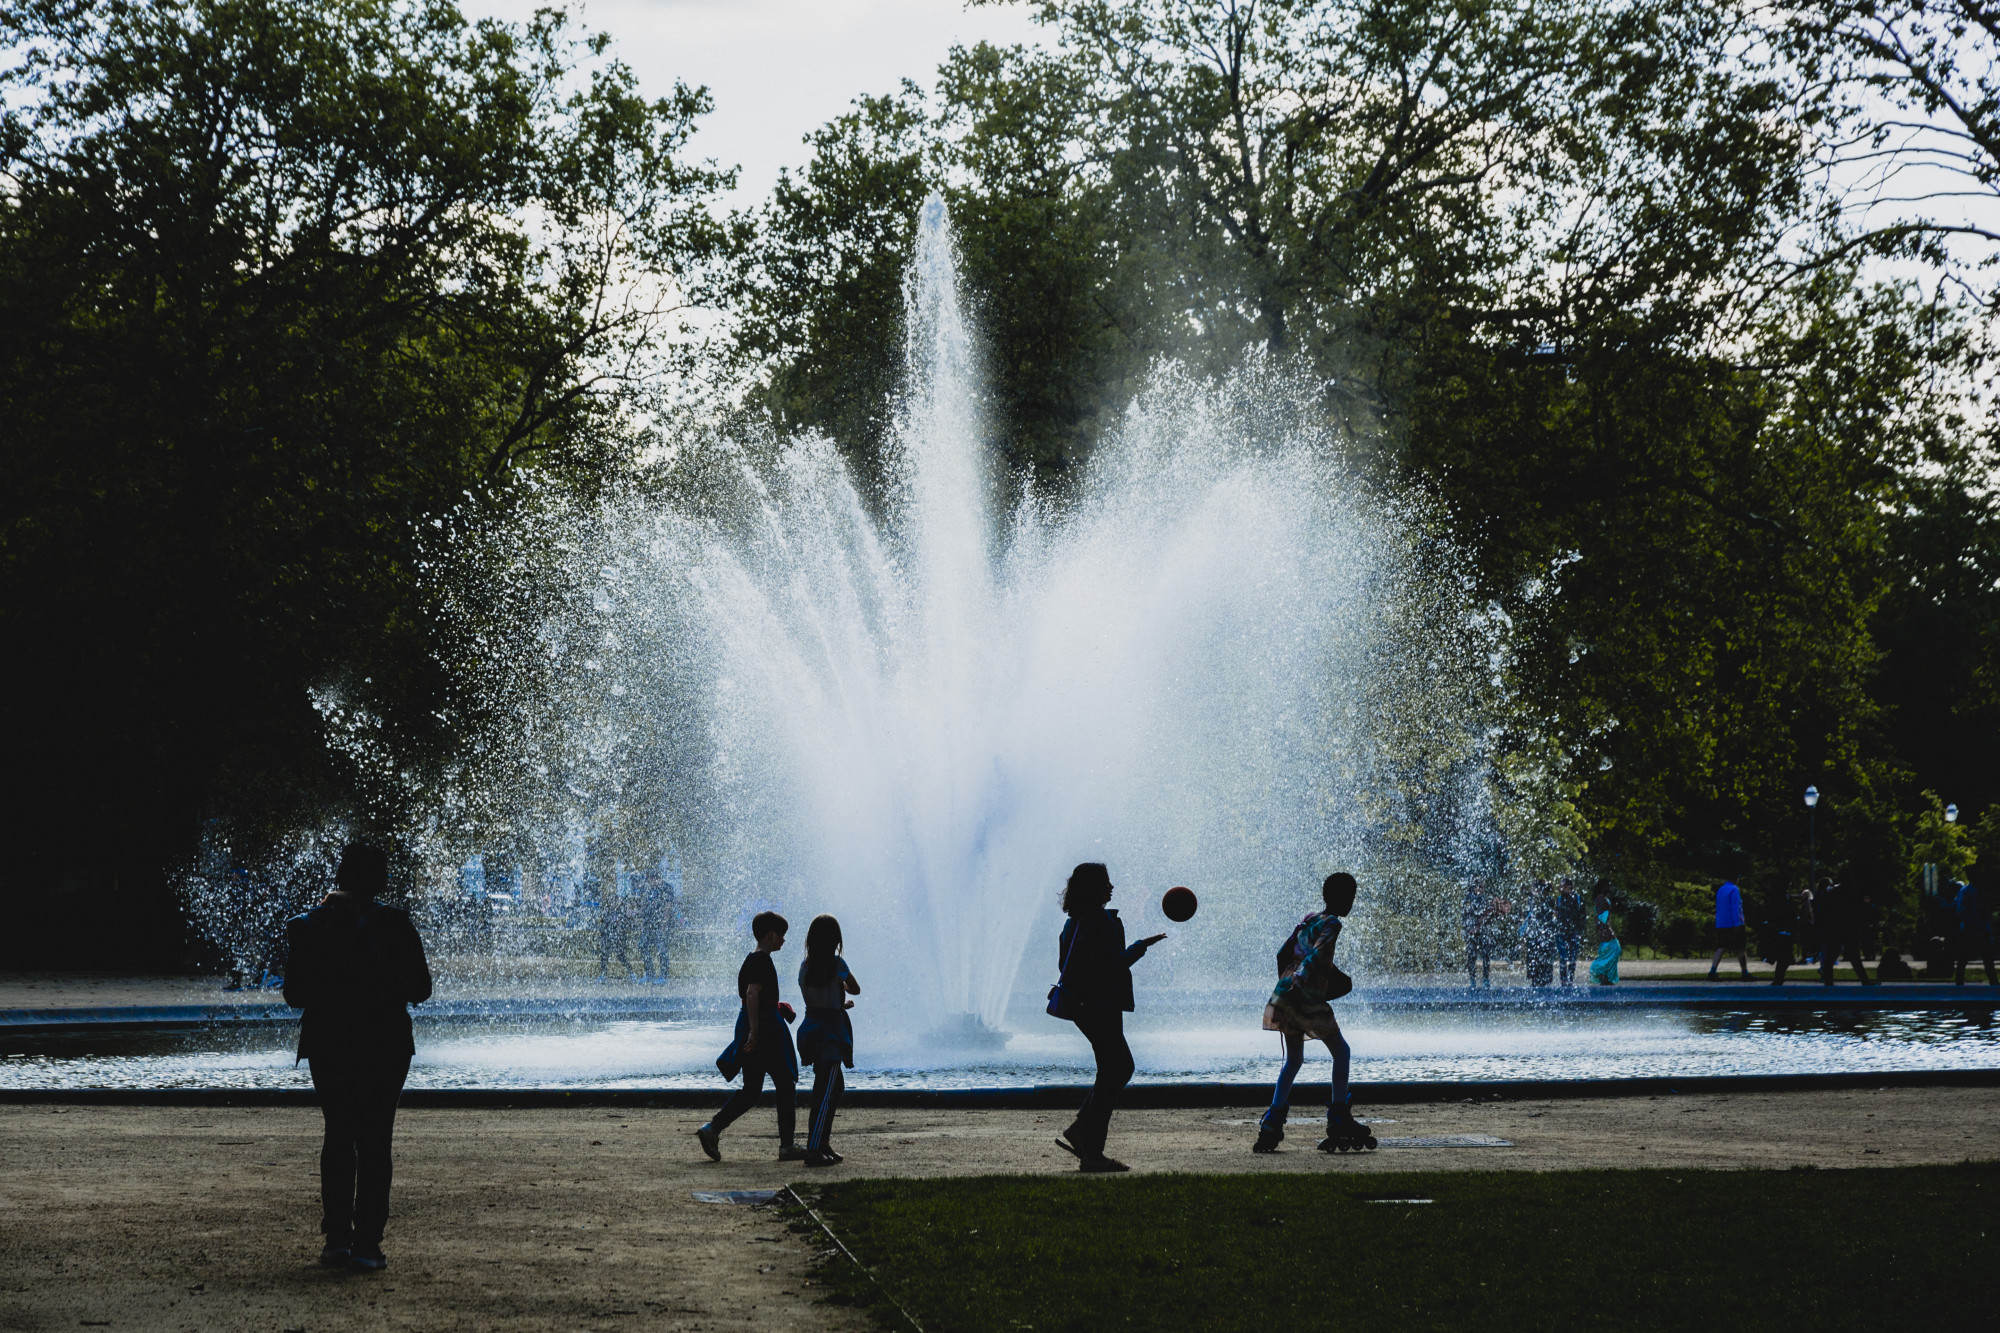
[[1224, 658]]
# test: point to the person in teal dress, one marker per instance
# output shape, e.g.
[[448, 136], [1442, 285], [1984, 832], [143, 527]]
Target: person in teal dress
[[1604, 968]]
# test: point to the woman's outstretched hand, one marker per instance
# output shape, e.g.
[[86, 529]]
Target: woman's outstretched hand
[[1151, 940]]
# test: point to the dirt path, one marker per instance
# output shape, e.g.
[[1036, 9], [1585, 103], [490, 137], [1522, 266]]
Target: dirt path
[[160, 1218]]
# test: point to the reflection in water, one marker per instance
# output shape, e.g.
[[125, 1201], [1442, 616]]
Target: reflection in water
[[1413, 1045]]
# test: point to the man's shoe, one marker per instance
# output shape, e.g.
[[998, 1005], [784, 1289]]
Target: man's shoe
[[791, 1152], [367, 1259], [1102, 1165], [336, 1254], [1268, 1140], [711, 1141], [833, 1156], [821, 1159]]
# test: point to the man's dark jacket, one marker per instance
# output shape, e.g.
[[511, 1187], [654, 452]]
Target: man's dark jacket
[[355, 969]]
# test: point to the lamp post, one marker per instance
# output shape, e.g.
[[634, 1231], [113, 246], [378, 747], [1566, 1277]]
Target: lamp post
[[1951, 814], [1812, 847]]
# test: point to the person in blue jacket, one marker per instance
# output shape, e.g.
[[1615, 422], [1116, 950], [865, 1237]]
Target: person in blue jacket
[[1729, 930], [356, 967], [1096, 994]]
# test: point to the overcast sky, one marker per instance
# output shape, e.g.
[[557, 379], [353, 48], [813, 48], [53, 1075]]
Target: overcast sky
[[780, 68]]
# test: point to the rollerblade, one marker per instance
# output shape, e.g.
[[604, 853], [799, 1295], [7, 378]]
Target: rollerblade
[[1346, 1134], [1268, 1140]]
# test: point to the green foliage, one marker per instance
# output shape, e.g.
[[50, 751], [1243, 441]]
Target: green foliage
[[291, 284], [288, 283], [1545, 250], [1941, 842], [1915, 86], [820, 298], [1505, 1248]]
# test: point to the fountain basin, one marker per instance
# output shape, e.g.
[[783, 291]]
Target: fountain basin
[[1403, 1037]]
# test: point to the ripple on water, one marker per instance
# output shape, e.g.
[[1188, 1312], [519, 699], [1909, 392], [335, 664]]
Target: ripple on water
[[1388, 1047]]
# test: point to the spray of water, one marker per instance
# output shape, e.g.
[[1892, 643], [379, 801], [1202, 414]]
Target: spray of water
[[1222, 661]]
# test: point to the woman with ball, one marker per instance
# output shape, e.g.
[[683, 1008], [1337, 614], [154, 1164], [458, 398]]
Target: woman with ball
[[1095, 993]]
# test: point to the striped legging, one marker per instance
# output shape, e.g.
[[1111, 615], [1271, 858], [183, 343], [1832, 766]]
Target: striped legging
[[828, 1082], [1295, 1058]]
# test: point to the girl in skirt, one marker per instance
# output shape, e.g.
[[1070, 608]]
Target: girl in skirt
[[826, 1037]]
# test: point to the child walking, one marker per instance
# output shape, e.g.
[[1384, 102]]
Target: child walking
[[1301, 1007], [826, 1037], [763, 1045]]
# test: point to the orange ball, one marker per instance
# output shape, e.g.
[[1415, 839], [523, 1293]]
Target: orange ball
[[1178, 904]]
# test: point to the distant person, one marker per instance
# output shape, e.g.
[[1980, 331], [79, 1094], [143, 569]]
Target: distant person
[[1975, 932], [1729, 931], [1604, 968], [1571, 918], [614, 928], [653, 897], [1475, 919], [356, 968], [1782, 928], [1938, 942], [1538, 936], [1301, 1008], [242, 913], [1839, 910], [1808, 927], [1095, 993], [763, 1045], [826, 1035]]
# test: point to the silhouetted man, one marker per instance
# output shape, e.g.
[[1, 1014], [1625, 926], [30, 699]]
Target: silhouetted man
[[356, 967]]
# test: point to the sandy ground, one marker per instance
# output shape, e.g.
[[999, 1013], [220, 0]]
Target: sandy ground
[[167, 1218]]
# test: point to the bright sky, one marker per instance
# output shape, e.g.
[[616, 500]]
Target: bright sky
[[780, 68]]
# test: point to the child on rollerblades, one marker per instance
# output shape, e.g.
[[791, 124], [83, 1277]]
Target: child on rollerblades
[[1301, 1007]]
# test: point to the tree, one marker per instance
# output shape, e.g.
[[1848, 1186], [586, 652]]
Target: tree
[[1557, 251], [288, 284], [1905, 95], [1059, 281], [818, 294]]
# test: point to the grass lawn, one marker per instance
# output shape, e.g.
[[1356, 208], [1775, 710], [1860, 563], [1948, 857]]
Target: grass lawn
[[1885, 1248]]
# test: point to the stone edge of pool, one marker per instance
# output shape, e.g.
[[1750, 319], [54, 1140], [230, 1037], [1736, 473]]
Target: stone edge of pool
[[1140, 1096], [1720, 995]]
